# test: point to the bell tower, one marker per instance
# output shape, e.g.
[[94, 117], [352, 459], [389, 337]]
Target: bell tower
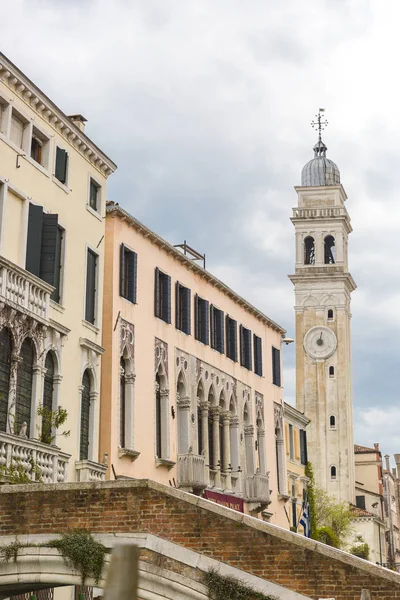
[[323, 286]]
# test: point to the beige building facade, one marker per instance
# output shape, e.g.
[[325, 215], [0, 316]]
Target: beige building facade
[[52, 207], [323, 287], [191, 380]]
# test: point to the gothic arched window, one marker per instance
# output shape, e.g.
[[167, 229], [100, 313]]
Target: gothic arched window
[[309, 251], [331, 371], [330, 314], [332, 422], [5, 369], [329, 250], [23, 401], [85, 416], [48, 398], [333, 472]]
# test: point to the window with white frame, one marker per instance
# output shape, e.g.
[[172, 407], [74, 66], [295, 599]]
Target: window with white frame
[[40, 145], [4, 116], [94, 195], [19, 130]]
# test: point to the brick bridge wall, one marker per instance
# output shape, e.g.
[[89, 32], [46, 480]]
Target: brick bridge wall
[[265, 550]]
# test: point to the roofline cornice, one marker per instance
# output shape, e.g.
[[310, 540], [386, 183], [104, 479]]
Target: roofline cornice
[[47, 110], [117, 211], [291, 411]]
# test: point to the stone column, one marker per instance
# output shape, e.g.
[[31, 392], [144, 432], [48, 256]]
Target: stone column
[[12, 393], [205, 407], [249, 448], [319, 248], [164, 401], [262, 451], [280, 452], [129, 410], [39, 373], [183, 406], [215, 459], [226, 467], [93, 429]]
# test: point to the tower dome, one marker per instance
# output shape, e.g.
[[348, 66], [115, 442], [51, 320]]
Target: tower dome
[[320, 170]]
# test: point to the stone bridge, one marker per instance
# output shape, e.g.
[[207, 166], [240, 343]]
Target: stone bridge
[[181, 536]]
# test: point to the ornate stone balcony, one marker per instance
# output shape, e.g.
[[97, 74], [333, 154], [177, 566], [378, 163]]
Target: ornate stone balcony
[[88, 470], [257, 488], [24, 291], [40, 462], [191, 472]]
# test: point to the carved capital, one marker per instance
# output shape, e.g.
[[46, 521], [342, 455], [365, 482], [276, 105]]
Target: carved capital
[[249, 430]]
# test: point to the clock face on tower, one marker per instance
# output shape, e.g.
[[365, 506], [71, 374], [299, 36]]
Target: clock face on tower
[[320, 342]]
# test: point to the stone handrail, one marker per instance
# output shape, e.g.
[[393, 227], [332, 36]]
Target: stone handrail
[[40, 462], [191, 471], [88, 470], [257, 488], [313, 213], [23, 290]]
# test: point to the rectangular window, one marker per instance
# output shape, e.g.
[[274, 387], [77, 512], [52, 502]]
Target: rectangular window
[[4, 112], [217, 329], [44, 248], [162, 296], [291, 442], [128, 274], [276, 367], [40, 147], [257, 342], [360, 502], [94, 195], [18, 128], [303, 447], [231, 338], [91, 285], [245, 348], [201, 319], [61, 165], [182, 307]]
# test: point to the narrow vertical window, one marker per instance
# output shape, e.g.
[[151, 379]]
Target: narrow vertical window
[[23, 403], [61, 165], [332, 422], [245, 348], [212, 462], [303, 447], [333, 472], [94, 195], [158, 419], [257, 342], [85, 417], [5, 371], [291, 442], [276, 366], [231, 338], [331, 371], [217, 329], [91, 285], [48, 390], [40, 148], [122, 403], [18, 128], [309, 251], [128, 274], [162, 296], [330, 315], [182, 308], [199, 432], [329, 250], [202, 319]]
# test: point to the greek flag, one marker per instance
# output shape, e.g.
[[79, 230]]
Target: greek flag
[[305, 519]]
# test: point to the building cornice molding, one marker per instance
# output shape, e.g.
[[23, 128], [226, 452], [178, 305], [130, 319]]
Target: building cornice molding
[[290, 412], [116, 211], [31, 95], [89, 345]]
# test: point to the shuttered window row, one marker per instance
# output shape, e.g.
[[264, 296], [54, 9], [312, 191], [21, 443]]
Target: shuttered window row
[[276, 366], [231, 338], [182, 308], [217, 329], [128, 274], [162, 296], [44, 247], [257, 343], [245, 348]]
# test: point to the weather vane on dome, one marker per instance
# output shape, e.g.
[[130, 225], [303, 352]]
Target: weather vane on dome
[[319, 125]]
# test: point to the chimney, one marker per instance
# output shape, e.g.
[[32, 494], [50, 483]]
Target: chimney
[[79, 121], [397, 460], [376, 446], [387, 462]]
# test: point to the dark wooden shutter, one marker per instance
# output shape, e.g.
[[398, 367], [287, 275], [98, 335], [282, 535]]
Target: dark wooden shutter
[[249, 350], [257, 355], [85, 417], [122, 404], [61, 165], [276, 366], [131, 259], [242, 351], [5, 370], [122, 271], [178, 321], [58, 266], [166, 308], [212, 327], [157, 292], [90, 312], [303, 447], [196, 317], [220, 332], [24, 387], [49, 247], [186, 311], [48, 396], [34, 239], [234, 340], [205, 321]]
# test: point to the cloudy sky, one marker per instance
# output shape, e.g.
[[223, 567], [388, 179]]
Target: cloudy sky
[[205, 105]]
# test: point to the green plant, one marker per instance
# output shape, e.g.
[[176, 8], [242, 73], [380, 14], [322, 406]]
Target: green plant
[[51, 420], [360, 548], [81, 551], [327, 536], [222, 587], [337, 516], [309, 472], [16, 474]]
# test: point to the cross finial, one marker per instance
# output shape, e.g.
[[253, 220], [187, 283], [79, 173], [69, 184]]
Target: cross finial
[[319, 125]]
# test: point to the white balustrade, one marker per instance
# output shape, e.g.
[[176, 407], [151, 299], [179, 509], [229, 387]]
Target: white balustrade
[[24, 291], [90, 471], [257, 488], [191, 471], [40, 462]]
